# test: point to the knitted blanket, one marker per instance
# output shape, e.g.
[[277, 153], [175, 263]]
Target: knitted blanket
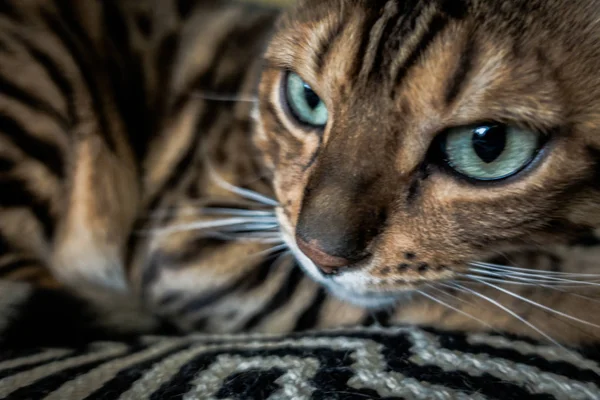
[[362, 363]]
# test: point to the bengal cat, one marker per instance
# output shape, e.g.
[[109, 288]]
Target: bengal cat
[[432, 162]]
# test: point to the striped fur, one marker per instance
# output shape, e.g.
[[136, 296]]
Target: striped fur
[[371, 193], [111, 117], [124, 125]]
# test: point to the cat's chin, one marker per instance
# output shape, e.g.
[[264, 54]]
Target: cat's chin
[[372, 300]]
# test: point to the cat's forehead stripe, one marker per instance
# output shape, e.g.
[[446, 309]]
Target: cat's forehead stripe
[[435, 26], [392, 39], [374, 38], [335, 30], [459, 79], [410, 21]]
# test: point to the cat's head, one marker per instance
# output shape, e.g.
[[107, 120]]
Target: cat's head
[[408, 139]]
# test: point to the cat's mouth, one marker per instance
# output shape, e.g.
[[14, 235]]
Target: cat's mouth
[[349, 287], [354, 295]]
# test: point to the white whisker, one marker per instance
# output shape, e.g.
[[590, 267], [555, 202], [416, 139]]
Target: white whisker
[[499, 280], [530, 276], [431, 297], [251, 227], [210, 96], [525, 299], [527, 282], [245, 193], [505, 268], [447, 294], [259, 234], [506, 275], [236, 212], [258, 239], [511, 312], [188, 210], [210, 225]]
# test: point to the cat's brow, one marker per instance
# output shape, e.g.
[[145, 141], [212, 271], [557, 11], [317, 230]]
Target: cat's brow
[[375, 36], [435, 26], [458, 80], [327, 42]]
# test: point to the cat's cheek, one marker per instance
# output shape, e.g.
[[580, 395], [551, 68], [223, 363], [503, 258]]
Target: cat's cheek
[[289, 182], [289, 188]]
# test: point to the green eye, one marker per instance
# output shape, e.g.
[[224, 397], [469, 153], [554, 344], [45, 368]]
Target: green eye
[[490, 152], [304, 103]]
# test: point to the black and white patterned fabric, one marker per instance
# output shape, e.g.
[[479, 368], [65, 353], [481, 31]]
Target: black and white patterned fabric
[[363, 363]]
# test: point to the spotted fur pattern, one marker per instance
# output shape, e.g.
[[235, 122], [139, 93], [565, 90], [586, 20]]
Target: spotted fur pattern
[[141, 176]]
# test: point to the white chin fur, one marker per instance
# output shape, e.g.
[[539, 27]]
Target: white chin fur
[[339, 291]]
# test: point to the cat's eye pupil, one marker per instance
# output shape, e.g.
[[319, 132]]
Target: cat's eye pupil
[[489, 152], [303, 103], [311, 97], [489, 142]]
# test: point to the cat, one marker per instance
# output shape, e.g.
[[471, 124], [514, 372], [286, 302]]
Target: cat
[[219, 166]]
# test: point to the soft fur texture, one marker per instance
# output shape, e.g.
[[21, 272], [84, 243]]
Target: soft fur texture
[[139, 171], [396, 75]]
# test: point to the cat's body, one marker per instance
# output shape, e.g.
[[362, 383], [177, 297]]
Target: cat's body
[[122, 125], [121, 159]]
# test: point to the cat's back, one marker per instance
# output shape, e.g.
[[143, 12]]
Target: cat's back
[[104, 106]]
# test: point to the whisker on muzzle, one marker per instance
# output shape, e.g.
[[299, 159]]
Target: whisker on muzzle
[[261, 223], [536, 304], [189, 210], [245, 193], [507, 310], [534, 277], [505, 268], [236, 212], [443, 303]]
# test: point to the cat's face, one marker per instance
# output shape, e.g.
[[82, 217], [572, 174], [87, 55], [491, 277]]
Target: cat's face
[[410, 139]]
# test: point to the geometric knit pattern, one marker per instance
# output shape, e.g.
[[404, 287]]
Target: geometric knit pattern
[[350, 364]]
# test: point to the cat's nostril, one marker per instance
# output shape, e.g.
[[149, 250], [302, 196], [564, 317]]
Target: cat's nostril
[[327, 263]]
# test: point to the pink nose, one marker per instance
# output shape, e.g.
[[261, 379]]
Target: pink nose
[[325, 262]]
